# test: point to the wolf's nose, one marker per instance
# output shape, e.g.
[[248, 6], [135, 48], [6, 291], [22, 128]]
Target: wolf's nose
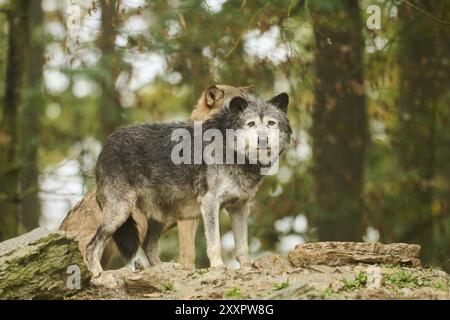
[[263, 142]]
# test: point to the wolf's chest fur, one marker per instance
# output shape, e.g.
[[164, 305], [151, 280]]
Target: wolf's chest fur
[[231, 186]]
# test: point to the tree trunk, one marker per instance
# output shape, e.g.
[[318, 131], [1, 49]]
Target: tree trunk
[[421, 58], [110, 106], [30, 210], [18, 39], [200, 77], [339, 129]]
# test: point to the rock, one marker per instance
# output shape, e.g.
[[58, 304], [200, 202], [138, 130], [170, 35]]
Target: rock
[[273, 263], [344, 253], [41, 265], [215, 295], [147, 281], [112, 279], [375, 279], [295, 292]]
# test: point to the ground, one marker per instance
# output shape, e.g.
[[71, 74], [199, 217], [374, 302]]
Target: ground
[[273, 277]]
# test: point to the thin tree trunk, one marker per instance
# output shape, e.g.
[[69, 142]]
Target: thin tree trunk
[[31, 125], [18, 36], [110, 106], [200, 76], [339, 129]]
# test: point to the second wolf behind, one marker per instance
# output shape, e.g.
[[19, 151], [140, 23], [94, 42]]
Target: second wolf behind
[[136, 173]]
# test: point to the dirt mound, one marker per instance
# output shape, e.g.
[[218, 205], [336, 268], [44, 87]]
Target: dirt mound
[[274, 277]]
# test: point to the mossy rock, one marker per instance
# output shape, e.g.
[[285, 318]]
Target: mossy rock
[[41, 265]]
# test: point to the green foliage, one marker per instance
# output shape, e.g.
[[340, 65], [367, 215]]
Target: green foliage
[[234, 292], [358, 282], [327, 293], [168, 286], [441, 286], [281, 285], [405, 279]]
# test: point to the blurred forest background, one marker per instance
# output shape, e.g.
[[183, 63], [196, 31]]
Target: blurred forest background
[[369, 106]]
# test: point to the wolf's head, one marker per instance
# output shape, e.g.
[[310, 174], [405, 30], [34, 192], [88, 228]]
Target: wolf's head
[[214, 98], [261, 128]]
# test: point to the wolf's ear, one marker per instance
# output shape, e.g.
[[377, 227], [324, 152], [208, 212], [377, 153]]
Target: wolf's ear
[[280, 101], [213, 94], [238, 104], [246, 88]]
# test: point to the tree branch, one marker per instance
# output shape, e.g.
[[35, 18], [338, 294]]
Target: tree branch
[[429, 15]]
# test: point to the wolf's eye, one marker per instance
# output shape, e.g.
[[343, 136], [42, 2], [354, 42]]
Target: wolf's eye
[[251, 123], [271, 123]]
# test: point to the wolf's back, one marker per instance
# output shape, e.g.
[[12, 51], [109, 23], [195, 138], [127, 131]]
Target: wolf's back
[[136, 152]]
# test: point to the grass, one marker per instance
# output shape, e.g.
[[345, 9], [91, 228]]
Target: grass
[[280, 285], [405, 279], [326, 293], [358, 282], [234, 292], [441, 286], [168, 286]]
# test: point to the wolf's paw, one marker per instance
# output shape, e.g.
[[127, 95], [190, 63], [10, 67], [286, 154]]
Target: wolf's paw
[[98, 279], [244, 261], [246, 266], [216, 261], [220, 268], [188, 266]]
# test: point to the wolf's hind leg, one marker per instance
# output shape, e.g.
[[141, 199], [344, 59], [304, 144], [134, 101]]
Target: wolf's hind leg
[[154, 231], [139, 258], [114, 214], [238, 219], [186, 236]]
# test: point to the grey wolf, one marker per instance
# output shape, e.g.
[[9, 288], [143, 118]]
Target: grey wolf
[[84, 219], [136, 175]]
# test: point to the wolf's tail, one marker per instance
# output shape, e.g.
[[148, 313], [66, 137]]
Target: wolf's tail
[[127, 239]]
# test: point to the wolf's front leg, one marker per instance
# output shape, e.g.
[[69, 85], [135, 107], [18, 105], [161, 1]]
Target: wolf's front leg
[[210, 214], [238, 219]]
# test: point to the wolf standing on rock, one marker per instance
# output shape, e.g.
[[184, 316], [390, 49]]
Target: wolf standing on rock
[[135, 173]]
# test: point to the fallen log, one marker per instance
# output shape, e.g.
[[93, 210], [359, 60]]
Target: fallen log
[[41, 265], [344, 253]]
